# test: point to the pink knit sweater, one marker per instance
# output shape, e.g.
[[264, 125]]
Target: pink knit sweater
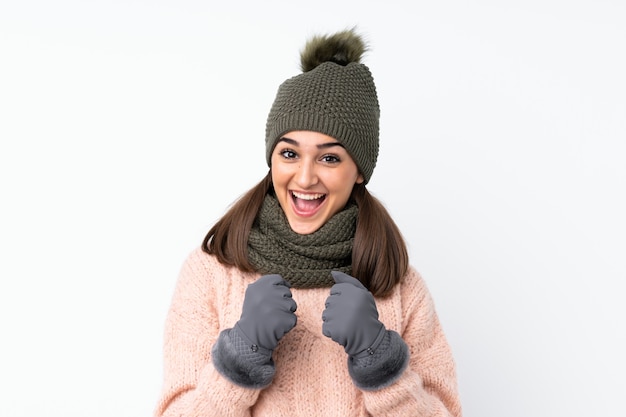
[[311, 370]]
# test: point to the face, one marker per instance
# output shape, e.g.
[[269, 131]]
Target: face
[[313, 176]]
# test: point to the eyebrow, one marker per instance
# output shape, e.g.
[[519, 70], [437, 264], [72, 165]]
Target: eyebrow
[[320, 146]]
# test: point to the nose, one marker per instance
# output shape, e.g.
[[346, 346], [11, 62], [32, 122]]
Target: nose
[[306, 174]]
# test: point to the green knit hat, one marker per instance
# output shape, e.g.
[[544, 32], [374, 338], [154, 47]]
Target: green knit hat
[[334, 95]]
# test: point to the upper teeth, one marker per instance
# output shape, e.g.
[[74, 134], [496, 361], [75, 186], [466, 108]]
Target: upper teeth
[[307, 196]]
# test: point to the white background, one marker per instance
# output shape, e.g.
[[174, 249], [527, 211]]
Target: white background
[[128, 127]]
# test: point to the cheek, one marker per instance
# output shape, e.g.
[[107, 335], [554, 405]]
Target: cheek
[[342, 184], [278, 175]]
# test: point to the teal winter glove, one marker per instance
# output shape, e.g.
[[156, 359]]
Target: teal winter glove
[[376, 356], [243, 354]]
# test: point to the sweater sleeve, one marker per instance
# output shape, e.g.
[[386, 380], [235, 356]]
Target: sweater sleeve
[[428, 387], [192, 387]]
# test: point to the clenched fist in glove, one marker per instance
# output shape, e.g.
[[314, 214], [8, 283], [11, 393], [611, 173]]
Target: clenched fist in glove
[[268, 312], [376, 356], [243, 354], [351, 317]]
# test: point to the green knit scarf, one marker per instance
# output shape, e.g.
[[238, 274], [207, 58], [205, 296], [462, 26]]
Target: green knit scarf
[[305, 261]]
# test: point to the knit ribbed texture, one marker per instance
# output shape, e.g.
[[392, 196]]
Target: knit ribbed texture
[[312, 376], [305, 261], [339, 101]]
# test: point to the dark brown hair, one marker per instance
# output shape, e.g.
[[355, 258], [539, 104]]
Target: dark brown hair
[[379, 254]]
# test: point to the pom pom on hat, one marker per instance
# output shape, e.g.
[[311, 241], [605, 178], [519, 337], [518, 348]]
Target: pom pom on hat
[[334, 95], [341, 48]]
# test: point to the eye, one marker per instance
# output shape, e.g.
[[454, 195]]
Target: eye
[[288, 154], [331, 159]]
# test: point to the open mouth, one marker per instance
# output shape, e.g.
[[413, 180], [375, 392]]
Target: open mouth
[[305, 203]]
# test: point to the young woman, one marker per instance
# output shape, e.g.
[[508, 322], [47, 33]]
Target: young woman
[[301, 300]]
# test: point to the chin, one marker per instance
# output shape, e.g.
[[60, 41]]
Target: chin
[[304, 229]]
